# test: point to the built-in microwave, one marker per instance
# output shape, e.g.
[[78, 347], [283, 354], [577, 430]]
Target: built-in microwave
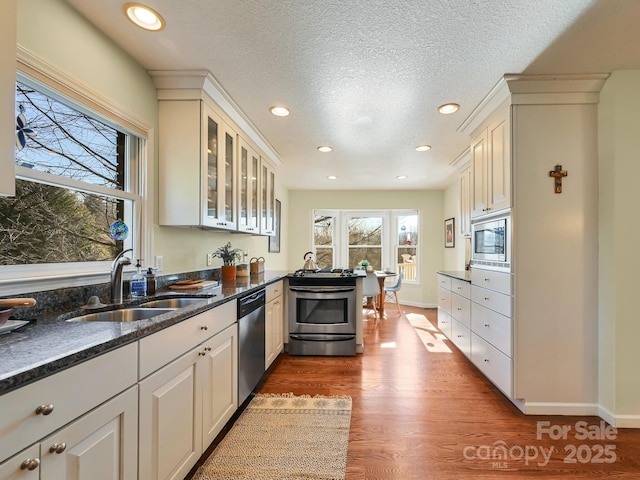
[[491, 241]]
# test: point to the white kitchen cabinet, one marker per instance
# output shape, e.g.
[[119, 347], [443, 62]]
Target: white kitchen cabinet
[[249, 180], [101, 445], [444, 304], [22, 466], [491, 165], [189, 390], [197, 166], [465, 182], [55, 410], [268, 199], [274, 322], [461, 337], [8, 28]]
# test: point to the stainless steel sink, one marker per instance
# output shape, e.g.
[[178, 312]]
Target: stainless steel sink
[[173, 302], [122, 315]]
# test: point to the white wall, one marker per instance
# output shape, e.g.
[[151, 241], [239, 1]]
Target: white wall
[[454, 258], [56, 34], [619, 328], [429, 203]]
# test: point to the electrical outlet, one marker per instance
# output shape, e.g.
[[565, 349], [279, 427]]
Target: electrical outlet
[[209, 259], [157, 263]]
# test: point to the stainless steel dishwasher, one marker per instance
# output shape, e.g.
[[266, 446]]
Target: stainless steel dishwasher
[[251, 348]]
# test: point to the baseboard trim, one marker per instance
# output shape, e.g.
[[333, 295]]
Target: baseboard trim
[[619, 421], [553, 408]]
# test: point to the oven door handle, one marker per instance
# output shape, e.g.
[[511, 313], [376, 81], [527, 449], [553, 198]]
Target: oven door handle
[[322, 290], [322, 338]]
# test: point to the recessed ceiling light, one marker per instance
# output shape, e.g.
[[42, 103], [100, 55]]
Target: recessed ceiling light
[[448, 108], [144, 17], [332, 177], [279, 111], [324, 148], [423, 148], [401, 177]]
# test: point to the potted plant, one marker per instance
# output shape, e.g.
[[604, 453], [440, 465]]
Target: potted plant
[[229, 256]]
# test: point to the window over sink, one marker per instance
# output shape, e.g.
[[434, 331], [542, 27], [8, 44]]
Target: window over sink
[[77, 172]]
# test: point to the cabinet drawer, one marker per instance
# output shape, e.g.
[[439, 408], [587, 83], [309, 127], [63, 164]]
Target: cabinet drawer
[[493, 300], [461, 337], [493, 327], [10, 469], [444, 322], [494, 364], [444, 299], [497, 281], [273, 291], [72, 393], [162, 347], [460, 287], [444, 281], [461, 309]]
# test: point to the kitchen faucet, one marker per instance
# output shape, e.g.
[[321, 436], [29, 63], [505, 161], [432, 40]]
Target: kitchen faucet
[[116, 275]]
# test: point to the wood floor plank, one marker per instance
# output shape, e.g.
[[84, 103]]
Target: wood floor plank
[[430, 414]]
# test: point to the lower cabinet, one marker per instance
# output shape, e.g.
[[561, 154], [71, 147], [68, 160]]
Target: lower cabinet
[[185, 404], [101, 445], [274, 322]]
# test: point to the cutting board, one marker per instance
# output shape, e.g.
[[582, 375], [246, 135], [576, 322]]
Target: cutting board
[[201, 285]]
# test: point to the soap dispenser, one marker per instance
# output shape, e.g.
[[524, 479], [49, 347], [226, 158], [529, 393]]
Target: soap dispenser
[[151, 282], [138, 282]]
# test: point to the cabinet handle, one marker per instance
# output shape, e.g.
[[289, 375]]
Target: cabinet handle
[[58, 448], [201, 354], [30, 464], [44, 409], [204, 327], [460, 336], [486, 325], [486, 279], [486, 299], [486, 360], [207, 349], [459, 308]]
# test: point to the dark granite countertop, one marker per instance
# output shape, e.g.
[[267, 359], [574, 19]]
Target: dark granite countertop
[[49, 345], [464, 275]]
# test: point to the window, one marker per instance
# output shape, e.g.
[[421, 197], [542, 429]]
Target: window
[[323, 238], [76, 174], [387, 239], [365, 240]]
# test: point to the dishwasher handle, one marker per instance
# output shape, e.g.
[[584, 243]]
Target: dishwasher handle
[[249, 303]]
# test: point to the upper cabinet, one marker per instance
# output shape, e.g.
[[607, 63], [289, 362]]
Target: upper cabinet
[[491, 165], [248, 181], [8, 22], [213, 170], [268, 196], [196, 166]]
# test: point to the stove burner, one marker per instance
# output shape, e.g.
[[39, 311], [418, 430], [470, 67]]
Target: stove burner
[[325, 272]]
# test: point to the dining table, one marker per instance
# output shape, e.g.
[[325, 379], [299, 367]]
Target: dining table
[[382, 276]]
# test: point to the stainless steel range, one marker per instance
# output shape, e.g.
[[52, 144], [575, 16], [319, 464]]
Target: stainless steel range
[[322, 312]]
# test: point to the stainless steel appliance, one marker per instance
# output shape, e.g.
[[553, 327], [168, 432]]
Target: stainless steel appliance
[[491, 242], [322, 312], [251, 343]]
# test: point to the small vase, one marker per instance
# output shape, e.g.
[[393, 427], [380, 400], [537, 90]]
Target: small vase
[[228, 272]]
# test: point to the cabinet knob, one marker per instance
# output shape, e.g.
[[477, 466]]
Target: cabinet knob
[[30, 464], [486, 279], [58, 448], [204, 327], [201, 354], [486, 325], [459, 308], [207, 349], [44, 409], [486, 299], [486, 360]]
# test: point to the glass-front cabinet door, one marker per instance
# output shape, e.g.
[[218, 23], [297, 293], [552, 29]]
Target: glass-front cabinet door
[[219, 167], [268, 199], [249, 172]]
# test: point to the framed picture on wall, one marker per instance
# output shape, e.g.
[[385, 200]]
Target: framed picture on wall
[[449, 233], [274, 240]]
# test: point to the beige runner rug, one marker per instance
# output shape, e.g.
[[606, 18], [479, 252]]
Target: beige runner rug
[[284, 437]]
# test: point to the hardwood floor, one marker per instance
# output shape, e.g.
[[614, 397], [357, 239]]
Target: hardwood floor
[[429, 414]]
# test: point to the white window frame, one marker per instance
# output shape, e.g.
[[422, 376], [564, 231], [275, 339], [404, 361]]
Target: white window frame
[[390, 235], [16, 279]]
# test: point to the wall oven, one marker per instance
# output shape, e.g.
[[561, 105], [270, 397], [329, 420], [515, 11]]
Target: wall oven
[[491, 241], [322, 315]]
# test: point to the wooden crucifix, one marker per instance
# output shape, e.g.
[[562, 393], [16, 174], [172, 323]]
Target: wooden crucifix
[[558, 173]]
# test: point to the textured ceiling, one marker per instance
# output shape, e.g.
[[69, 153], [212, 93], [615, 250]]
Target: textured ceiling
[[366, 76]]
